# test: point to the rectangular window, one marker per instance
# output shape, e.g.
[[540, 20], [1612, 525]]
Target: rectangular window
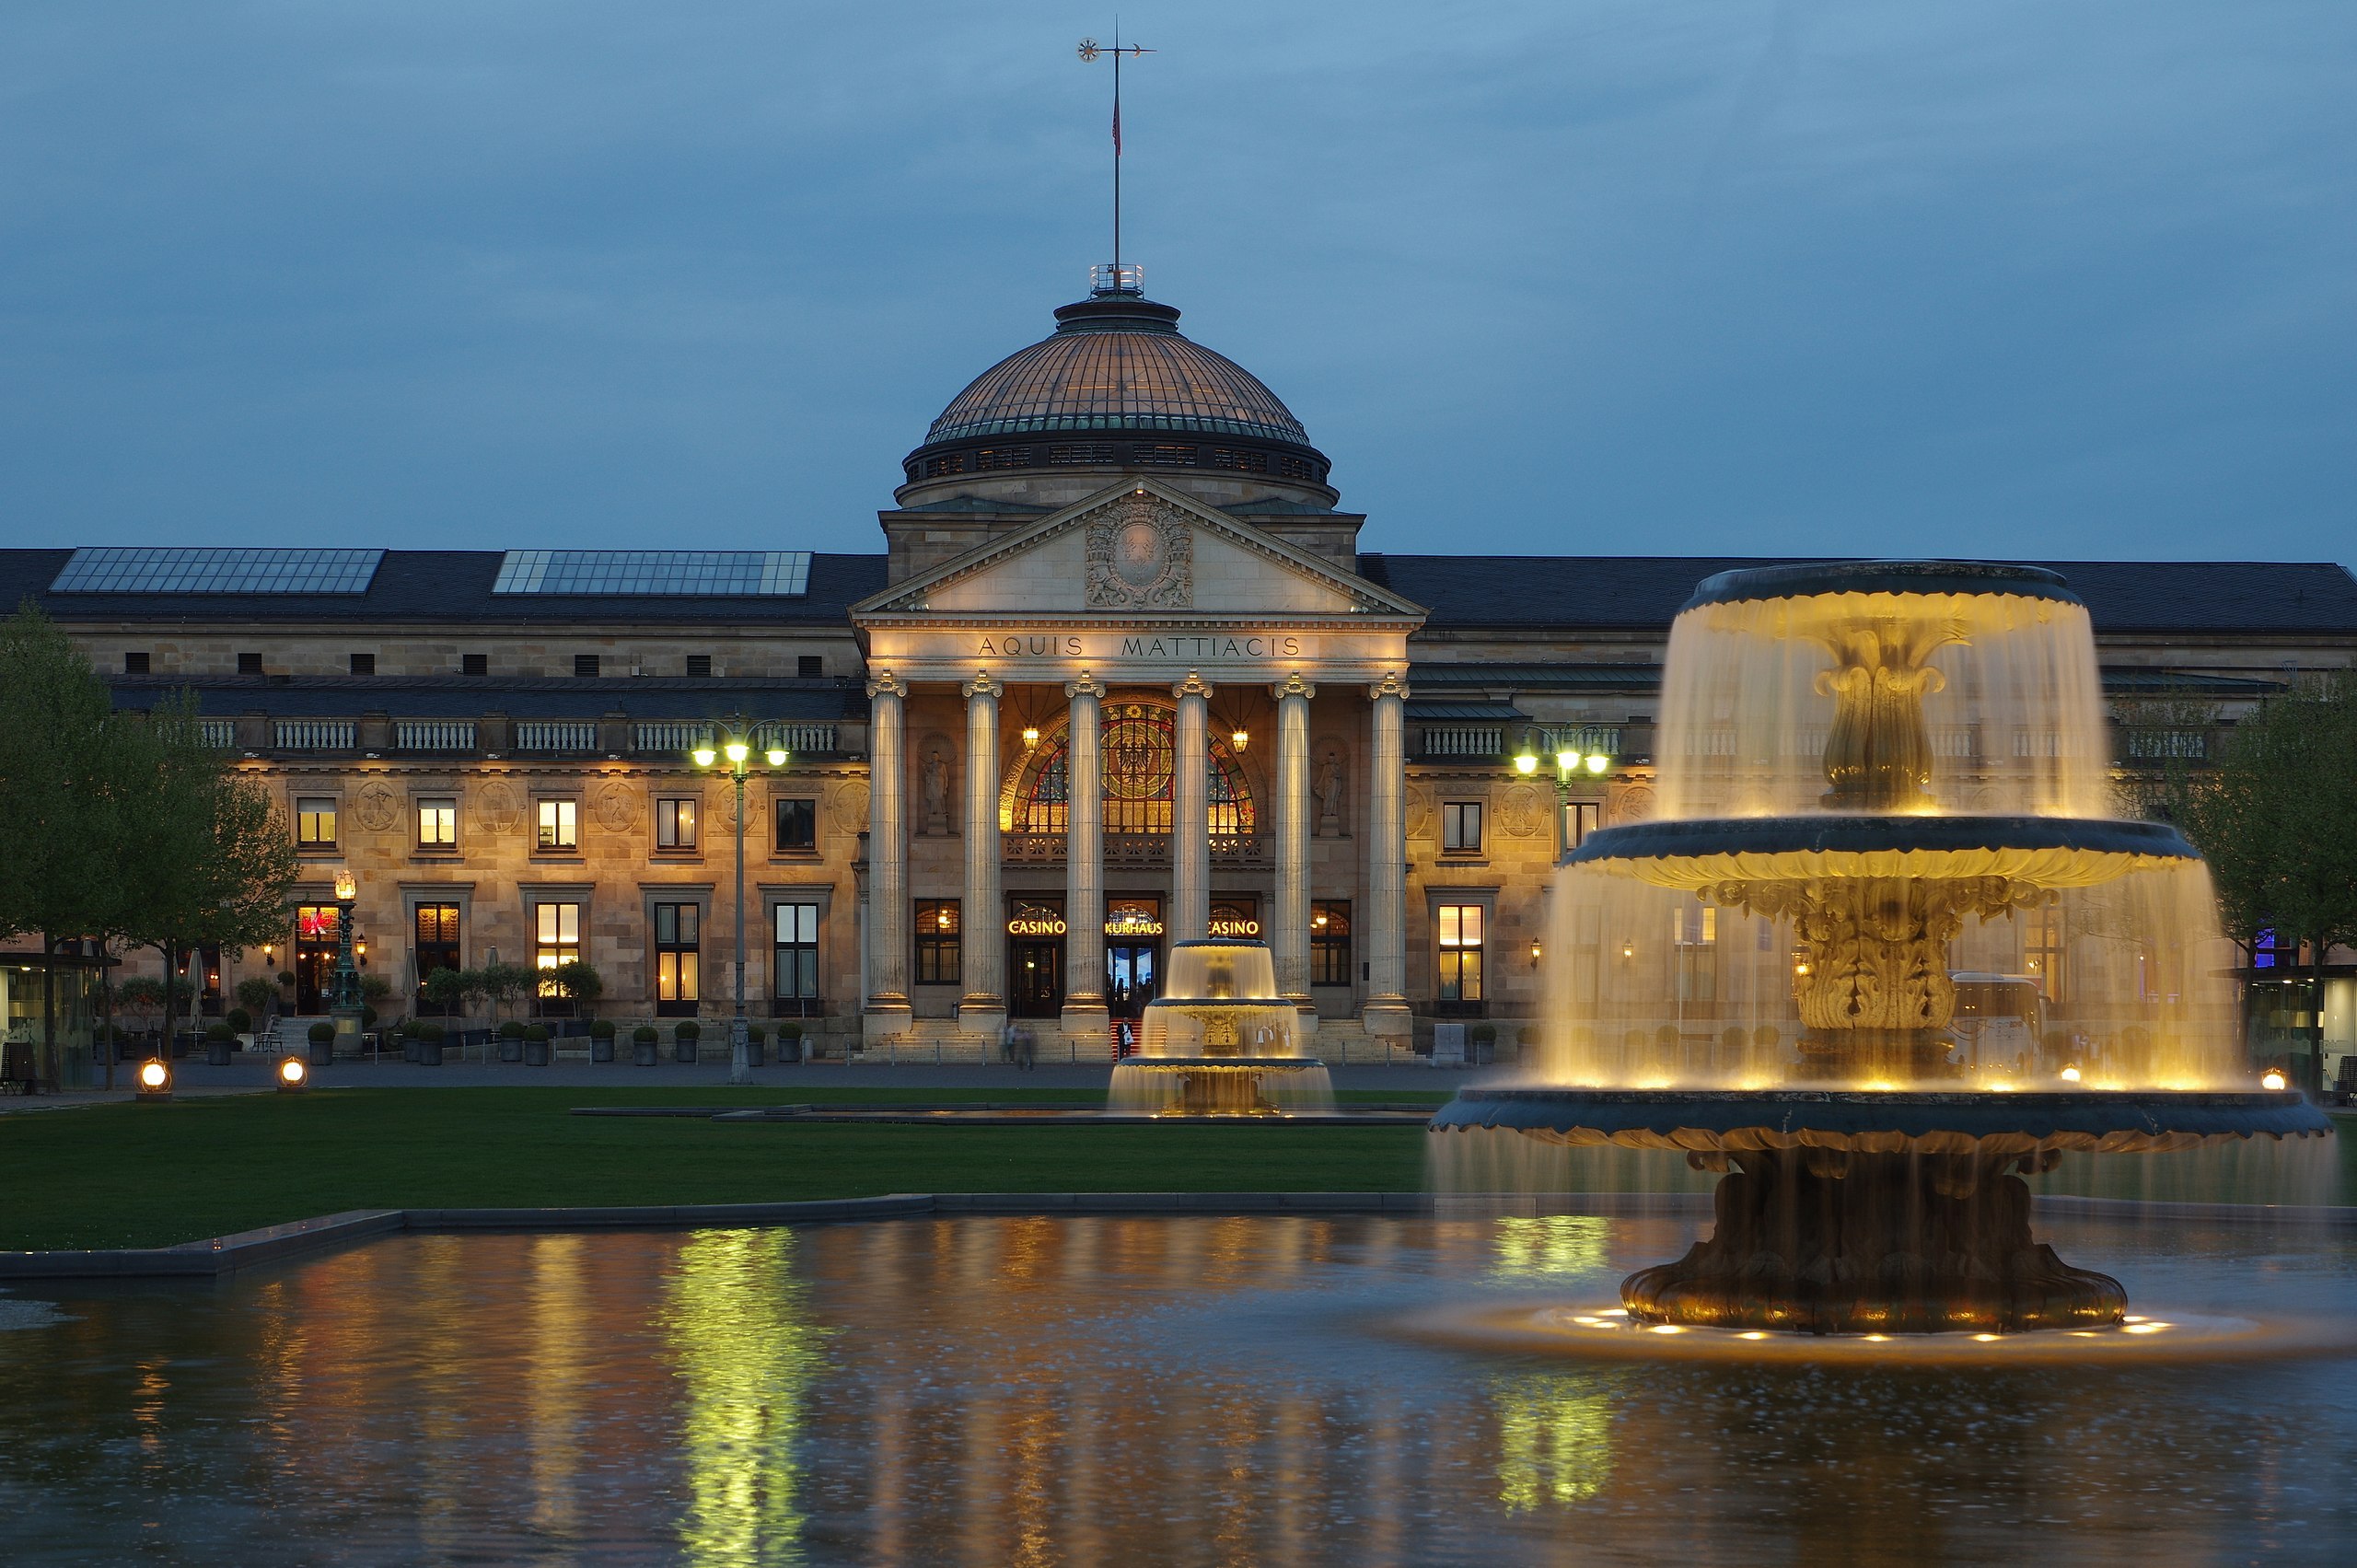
[[315, 955], [678, 958], [248, 664], [1329, 942], [795, 971], [1581, 817], [797, 827], [1460, 952], [438, 946], [1693, 935], [437, 823], [938, 945], [556, 934], [560, 824], [675, 823], [315, 822], [699, 666], [364, 664], [474, 664], [584, 664], [1460, 827], [134, 664], [809, 667]]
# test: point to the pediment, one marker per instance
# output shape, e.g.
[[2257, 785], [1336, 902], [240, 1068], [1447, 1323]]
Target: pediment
[[1139, 548]]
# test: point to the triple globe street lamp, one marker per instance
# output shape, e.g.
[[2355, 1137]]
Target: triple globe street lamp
[[733, 743]]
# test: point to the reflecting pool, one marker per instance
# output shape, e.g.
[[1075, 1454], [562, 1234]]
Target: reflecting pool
[[1125, 1390]]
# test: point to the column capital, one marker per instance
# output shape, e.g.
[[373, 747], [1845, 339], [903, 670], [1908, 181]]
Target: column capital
[[1193, 686], [981, 685], [884, 683], [1293, 685], [1391, 685], [1086, 685]]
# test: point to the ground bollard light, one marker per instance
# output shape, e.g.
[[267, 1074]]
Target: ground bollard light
[[154, 1080], [293, 1076]]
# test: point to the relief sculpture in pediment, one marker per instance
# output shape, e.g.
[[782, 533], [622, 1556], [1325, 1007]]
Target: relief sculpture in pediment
[[1140, 557]]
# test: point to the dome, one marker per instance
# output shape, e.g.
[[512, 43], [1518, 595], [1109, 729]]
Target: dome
[[1116, 367], [1117, 364]]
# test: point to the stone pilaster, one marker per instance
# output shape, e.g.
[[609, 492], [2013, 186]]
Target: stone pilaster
[[1289, 915], [1084, 1011], [1385, 1010], [887, 1008], [982, 1009], [1191, 836]]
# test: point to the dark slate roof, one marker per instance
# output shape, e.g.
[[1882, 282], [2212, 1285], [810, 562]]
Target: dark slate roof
[[1469, 712], [1644, 592], [467, 697], [444, 586]]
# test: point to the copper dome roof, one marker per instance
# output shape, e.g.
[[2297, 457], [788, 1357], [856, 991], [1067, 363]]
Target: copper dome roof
[[1117, 362]]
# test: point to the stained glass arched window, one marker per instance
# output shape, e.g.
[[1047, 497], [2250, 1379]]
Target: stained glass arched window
[[1138, 750]]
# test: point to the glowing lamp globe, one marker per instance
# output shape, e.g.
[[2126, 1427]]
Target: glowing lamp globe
[[346, 889], [705, 756], [293, 1076]]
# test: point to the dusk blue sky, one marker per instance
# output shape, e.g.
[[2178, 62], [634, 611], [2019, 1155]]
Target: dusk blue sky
[[2045, 278]]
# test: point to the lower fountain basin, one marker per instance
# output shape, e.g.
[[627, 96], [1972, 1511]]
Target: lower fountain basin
[[1221, 1085], [1929, 1121]]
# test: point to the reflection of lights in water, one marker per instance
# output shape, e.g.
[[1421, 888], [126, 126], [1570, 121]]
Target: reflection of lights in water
[[1665, 1329], [556, 1353], [1554, 1441], [746, 1351], [1555, 1243]]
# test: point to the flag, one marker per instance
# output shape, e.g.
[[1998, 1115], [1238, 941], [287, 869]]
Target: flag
[[1116, 127]]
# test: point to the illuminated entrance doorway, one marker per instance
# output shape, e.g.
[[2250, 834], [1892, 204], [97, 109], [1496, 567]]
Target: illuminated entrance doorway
[[1035, 955], [1133, 960]]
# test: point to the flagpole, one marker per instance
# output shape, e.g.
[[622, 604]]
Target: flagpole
[[1090, 49]]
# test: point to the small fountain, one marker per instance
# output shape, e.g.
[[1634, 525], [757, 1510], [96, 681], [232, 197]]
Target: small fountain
[[1221, 1043], [1876, 779]]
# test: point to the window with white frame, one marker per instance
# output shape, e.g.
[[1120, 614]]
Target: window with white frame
[[560, 824], [437, 823], [315, 821], [1581, 817], [1460, 827], [1460, 932], [556, 932], [678, 957]]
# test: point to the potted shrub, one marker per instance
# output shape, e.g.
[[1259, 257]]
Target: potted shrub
[[323, 1043], [789, 1042], [240, 1022], [754, 1038], [429, 1038], [1483, 1039], [511, 1041], [683, 1040], [219, 1040], [1526, 1040], [536, 1045], [601, 1039], [642, 1046]]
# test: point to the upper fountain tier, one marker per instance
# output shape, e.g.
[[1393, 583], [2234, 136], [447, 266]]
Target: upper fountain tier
[[1920, 688]]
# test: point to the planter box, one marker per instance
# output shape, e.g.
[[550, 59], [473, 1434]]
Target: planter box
[[684, 1050], [645, 1054], [536, 1053], [510, 1049], [602, 1050]]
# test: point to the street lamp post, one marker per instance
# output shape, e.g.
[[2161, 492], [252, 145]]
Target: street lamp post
[[1585, 753], [736, 746], [343, 986]]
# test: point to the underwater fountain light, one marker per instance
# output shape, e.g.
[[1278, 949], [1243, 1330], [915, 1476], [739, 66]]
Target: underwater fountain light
[[293, 1076], [2071, 1074], [2272, 1079]]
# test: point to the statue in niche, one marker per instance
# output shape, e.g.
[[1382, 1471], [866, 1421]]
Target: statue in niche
[[937, 794], [1334, 792]]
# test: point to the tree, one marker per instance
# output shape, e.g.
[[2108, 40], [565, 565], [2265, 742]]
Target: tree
[[2277, 819], [578, 983]]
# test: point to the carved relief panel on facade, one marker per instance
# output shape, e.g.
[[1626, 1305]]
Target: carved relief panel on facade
[[617, 807], [498, 809], [1141, 556], [376, 808]]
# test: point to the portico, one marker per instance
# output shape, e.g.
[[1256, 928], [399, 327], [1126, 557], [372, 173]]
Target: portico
[[1128, 697]]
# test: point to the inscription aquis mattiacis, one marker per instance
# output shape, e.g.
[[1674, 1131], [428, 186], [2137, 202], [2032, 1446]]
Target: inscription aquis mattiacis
[[1203, 646]]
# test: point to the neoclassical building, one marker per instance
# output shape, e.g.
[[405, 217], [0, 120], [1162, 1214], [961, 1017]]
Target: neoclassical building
[[1122, 674]]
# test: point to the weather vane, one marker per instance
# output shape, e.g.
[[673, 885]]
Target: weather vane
[[1089, 49]]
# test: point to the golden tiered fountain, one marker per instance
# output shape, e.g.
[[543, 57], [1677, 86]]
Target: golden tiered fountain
[[1221, 1043], [1821, 894]]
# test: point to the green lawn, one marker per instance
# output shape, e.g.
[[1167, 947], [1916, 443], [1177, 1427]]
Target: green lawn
[[144, 1176]]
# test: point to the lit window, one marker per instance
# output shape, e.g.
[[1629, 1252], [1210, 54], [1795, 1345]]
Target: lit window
[[1581, 817], [937, 944], [1460, 952], [797, 827], [1329, 942], [1460, 827], [678, 958], [437, 941], [560, 824], [795, 972], [437, 824], [675, 823], [557, 933], [315, 822]]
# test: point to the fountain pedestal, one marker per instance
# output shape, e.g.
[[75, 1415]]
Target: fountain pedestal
[[1832, 1242]]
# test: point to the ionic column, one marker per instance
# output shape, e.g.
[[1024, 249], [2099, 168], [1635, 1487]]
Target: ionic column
[[887, 1010], [1385, 1010], [1289, 917], [1190, 800], [1085, 1010], [983, 1010]]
